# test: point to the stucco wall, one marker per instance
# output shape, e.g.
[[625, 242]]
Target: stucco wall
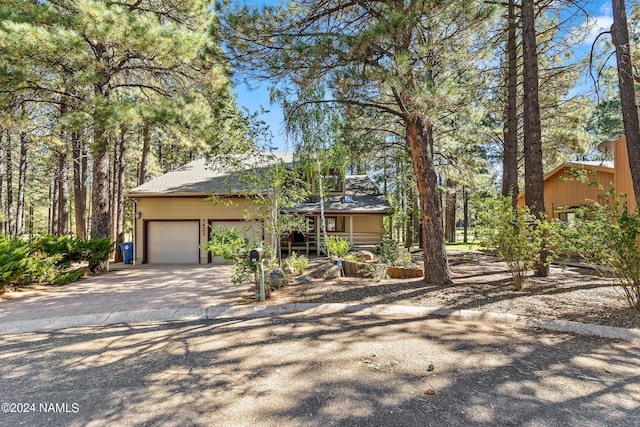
[[187, 208]]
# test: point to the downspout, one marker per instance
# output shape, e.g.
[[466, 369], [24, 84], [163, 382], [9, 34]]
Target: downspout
[[135, 235]]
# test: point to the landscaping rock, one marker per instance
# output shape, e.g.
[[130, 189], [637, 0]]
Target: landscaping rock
[[365, 255], [290, 271], [333, 272], [277, 278], [319, 272], [304, 279]]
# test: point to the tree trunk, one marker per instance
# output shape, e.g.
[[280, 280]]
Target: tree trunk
[[410, 233], [510, 154], [31, 226], [450, 215], [100, 220], [55, 193], [534, 176], [143, 173], [620, 38], [63, 191], [465, 209], [9, 173], [118, 193], [161, 157], [420, 137], [22, 180], [79, 153], [3, 229]]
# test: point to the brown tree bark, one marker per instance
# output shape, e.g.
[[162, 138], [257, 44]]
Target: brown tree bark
[[100, 220], [510, 154], [63, 191], [534, 176], [117, 196], [9, 174], [22, 180], [420, 137], [465, 214], [143, 173], [620, 38], [450, 215], [3, 229], [410, 233], [55, 193], [79, 154]]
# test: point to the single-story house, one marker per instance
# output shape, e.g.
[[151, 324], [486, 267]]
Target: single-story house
[[174, 213], [563, 195]]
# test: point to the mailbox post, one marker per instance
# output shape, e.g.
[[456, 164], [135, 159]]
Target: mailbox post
[[257, 256]]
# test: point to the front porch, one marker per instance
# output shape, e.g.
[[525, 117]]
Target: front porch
[[361, 231]]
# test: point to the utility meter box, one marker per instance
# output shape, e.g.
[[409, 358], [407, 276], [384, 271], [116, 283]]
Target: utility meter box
[[256, 255]]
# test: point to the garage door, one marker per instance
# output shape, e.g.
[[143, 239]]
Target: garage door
[[173, 242], [250, 229]]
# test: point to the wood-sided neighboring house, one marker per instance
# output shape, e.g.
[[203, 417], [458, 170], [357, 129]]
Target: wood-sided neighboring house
[[174, 213], [563, 194]]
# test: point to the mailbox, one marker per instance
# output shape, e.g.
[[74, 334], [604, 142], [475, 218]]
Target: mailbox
[[256, 254]]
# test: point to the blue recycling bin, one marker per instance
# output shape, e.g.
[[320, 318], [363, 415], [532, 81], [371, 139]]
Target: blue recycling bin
[[127, 252]]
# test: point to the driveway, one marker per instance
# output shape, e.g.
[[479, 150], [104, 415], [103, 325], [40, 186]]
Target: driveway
[[309, 369], [141, 288]]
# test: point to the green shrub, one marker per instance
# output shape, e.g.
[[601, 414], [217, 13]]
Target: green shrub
[[13, 256], [376, 272], [608, 236], [228, 244], [95, 251], [337, 246], [22, 264], [516, 235], [391, 254], [298, 262], [66, 248], [69, 277]]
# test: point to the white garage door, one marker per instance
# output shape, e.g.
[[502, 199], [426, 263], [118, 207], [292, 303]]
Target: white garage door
[[250, 229], [173, 242]]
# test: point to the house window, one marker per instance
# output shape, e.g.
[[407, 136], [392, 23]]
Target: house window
[[335, 223], [567, 217], [332, 181]]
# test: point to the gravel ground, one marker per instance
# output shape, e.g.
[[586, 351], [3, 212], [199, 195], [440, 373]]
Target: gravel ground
[[483, 283]]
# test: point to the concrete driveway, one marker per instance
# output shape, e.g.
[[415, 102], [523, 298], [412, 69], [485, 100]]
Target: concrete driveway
[[138, 289]]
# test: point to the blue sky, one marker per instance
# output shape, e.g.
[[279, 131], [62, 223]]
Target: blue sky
[[257, 95]]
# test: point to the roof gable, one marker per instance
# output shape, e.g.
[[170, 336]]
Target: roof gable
[[200, 178]]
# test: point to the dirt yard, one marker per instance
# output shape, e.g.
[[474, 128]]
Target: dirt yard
[[483, 283]]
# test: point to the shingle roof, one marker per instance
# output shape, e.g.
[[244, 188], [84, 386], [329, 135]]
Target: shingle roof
[[200, 178], [364, 193]]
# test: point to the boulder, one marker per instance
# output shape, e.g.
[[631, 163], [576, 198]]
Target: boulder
[[303, 279], [365, 255], [319, 272], [277, 278], [290, 271], [332, 273]]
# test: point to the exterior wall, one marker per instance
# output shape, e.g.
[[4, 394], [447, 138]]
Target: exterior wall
[[359, 229], [185, 208], [623, 182], [559, 194]]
